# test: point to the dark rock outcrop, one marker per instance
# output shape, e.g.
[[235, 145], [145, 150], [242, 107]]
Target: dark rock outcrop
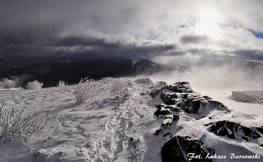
[[180, 99], [145, 81], [235, 130], [162, 111], [260, 129], [168, 98], [181, 148], [182, 95], [155, 93]]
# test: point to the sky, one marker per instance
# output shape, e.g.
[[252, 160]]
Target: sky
[[163, 30]]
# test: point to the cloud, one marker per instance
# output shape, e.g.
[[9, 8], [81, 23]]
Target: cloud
[[82, 41], [102, 48], [188, 39], [250, 54], [136, 28]]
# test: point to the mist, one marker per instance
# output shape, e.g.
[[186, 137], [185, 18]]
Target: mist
[[229, 76]]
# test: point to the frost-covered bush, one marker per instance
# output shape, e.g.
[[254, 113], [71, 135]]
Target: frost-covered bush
[[62, 83], [85, 90], [106, 80], [7, 83], [34, 85], [12, 124], [118, 85]]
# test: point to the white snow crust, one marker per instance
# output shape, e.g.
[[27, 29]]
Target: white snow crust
[[117, 125]]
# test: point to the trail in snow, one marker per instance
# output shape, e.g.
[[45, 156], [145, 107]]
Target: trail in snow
[[123, 138]]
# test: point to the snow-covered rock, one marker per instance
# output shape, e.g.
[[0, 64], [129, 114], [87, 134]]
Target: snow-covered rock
[[185, 149], [182, 95], [235, 130], [181, 109], [146, 81]]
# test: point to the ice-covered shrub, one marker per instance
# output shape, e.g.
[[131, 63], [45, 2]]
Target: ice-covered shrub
[[117, 85], [106, 80], [62, 83], [12, 124], [85, 90], [34, 85], [7, 83]]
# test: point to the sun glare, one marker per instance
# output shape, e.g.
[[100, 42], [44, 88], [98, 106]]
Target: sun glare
[[209, 24]]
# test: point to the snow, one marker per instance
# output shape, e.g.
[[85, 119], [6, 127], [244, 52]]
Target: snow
[[224, 96], [117, 125]]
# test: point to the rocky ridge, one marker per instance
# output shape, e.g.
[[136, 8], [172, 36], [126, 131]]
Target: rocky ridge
[[181, 103]]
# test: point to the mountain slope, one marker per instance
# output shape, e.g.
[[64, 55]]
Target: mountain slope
[[50, 70], [139, 122]]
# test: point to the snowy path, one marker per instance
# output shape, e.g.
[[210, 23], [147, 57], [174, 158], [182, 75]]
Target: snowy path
[[123, 140]]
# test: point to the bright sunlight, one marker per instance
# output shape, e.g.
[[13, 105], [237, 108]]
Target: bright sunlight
[[209, 24]]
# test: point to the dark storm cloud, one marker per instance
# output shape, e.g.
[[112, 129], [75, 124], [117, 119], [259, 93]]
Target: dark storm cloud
[[129, 28], [208, 55], [90, 47], [149, 51], [54, 27], [81, 41], [28, 26], [26, 41], [250, 54], [191, 39]]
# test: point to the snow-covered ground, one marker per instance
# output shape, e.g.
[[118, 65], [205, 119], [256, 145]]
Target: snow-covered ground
[[118, 125], [97, 130]]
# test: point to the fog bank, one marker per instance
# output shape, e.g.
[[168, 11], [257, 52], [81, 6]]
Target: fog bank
[[225, 77]]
